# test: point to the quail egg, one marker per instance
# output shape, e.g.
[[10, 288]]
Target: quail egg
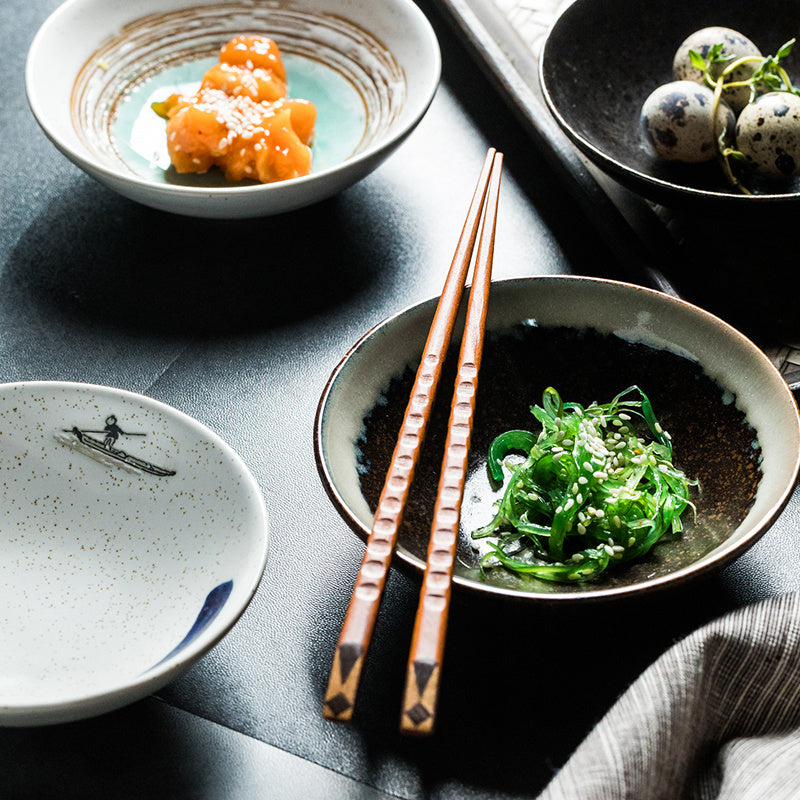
[[676, 119], [735, 45], [768, 134]]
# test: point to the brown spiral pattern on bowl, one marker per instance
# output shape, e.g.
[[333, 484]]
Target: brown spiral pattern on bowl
[[148, 45]]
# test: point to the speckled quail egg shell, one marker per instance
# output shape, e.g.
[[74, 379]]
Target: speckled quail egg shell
[[768, 134], [735, 44], [676, 120]]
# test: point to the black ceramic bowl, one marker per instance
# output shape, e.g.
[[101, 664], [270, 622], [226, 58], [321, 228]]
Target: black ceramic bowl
[[732, 418], [601, 60]]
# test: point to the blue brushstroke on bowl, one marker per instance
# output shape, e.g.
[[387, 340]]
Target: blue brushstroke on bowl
[[213, 604]]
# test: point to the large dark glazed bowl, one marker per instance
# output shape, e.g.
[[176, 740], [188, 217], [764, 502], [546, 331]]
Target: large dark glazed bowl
[[601, 60], [733, 420]]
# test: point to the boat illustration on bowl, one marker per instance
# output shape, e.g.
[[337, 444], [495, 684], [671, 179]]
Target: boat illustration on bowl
[[105, 450]]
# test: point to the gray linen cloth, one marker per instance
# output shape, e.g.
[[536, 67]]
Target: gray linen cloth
[[717, 716]]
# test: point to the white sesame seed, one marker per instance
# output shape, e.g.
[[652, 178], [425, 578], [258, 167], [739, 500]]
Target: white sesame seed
[[581, 529]]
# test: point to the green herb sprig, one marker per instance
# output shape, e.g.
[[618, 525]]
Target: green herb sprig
[[769, 76]]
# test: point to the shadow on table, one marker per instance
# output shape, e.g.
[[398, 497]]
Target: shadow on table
[[522, 686], [97, 257], [740, 266], [163, 757]]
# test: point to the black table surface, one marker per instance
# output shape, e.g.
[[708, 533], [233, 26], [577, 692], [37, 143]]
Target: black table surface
[[239, 324]]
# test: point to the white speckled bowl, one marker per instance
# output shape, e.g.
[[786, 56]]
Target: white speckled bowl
[[95, 66], [133, 538]]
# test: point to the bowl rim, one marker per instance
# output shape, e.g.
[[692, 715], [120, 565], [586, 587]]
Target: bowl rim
[[723, 554], [655, 188], [90, 703], [89, 161]]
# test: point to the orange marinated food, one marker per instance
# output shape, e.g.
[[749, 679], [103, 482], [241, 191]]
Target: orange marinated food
[[241, 120]]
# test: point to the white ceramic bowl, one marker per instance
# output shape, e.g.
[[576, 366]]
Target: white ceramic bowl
[[95, 66], [740, 436], [133, 538]]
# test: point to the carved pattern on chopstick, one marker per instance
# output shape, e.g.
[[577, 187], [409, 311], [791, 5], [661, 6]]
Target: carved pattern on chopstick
[[427, 646], [351, 649]]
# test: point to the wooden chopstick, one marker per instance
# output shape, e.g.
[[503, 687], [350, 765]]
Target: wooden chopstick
[[427, 645], [351, 649]]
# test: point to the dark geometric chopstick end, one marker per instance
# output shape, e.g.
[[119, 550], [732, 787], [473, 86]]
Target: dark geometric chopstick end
[[420, 698], [343, 684]]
